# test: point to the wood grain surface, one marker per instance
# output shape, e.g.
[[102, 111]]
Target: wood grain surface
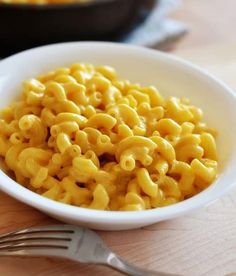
[[210, 22], [200, 243]]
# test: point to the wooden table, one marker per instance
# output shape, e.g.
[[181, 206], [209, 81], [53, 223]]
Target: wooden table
[[201, 243], [210, 22]]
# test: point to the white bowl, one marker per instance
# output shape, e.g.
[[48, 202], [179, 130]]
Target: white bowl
[[172, 76]]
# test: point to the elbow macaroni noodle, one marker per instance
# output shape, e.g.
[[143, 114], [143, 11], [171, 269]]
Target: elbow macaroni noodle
[[81, 136]]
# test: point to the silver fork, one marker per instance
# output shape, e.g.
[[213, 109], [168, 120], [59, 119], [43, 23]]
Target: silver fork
[[70, 242]]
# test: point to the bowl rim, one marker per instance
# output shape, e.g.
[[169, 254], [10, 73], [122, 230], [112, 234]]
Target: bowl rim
[[115, 217]]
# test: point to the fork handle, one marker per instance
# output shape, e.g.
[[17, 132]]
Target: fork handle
[[121, 265]]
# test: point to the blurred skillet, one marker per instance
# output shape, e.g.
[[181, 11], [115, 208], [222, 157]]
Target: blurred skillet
[[27, 25]]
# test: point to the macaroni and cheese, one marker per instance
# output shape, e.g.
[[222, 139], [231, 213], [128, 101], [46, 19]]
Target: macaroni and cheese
[[81, 136]]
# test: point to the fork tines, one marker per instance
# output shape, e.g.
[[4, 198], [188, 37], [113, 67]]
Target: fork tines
[[44, 237]]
